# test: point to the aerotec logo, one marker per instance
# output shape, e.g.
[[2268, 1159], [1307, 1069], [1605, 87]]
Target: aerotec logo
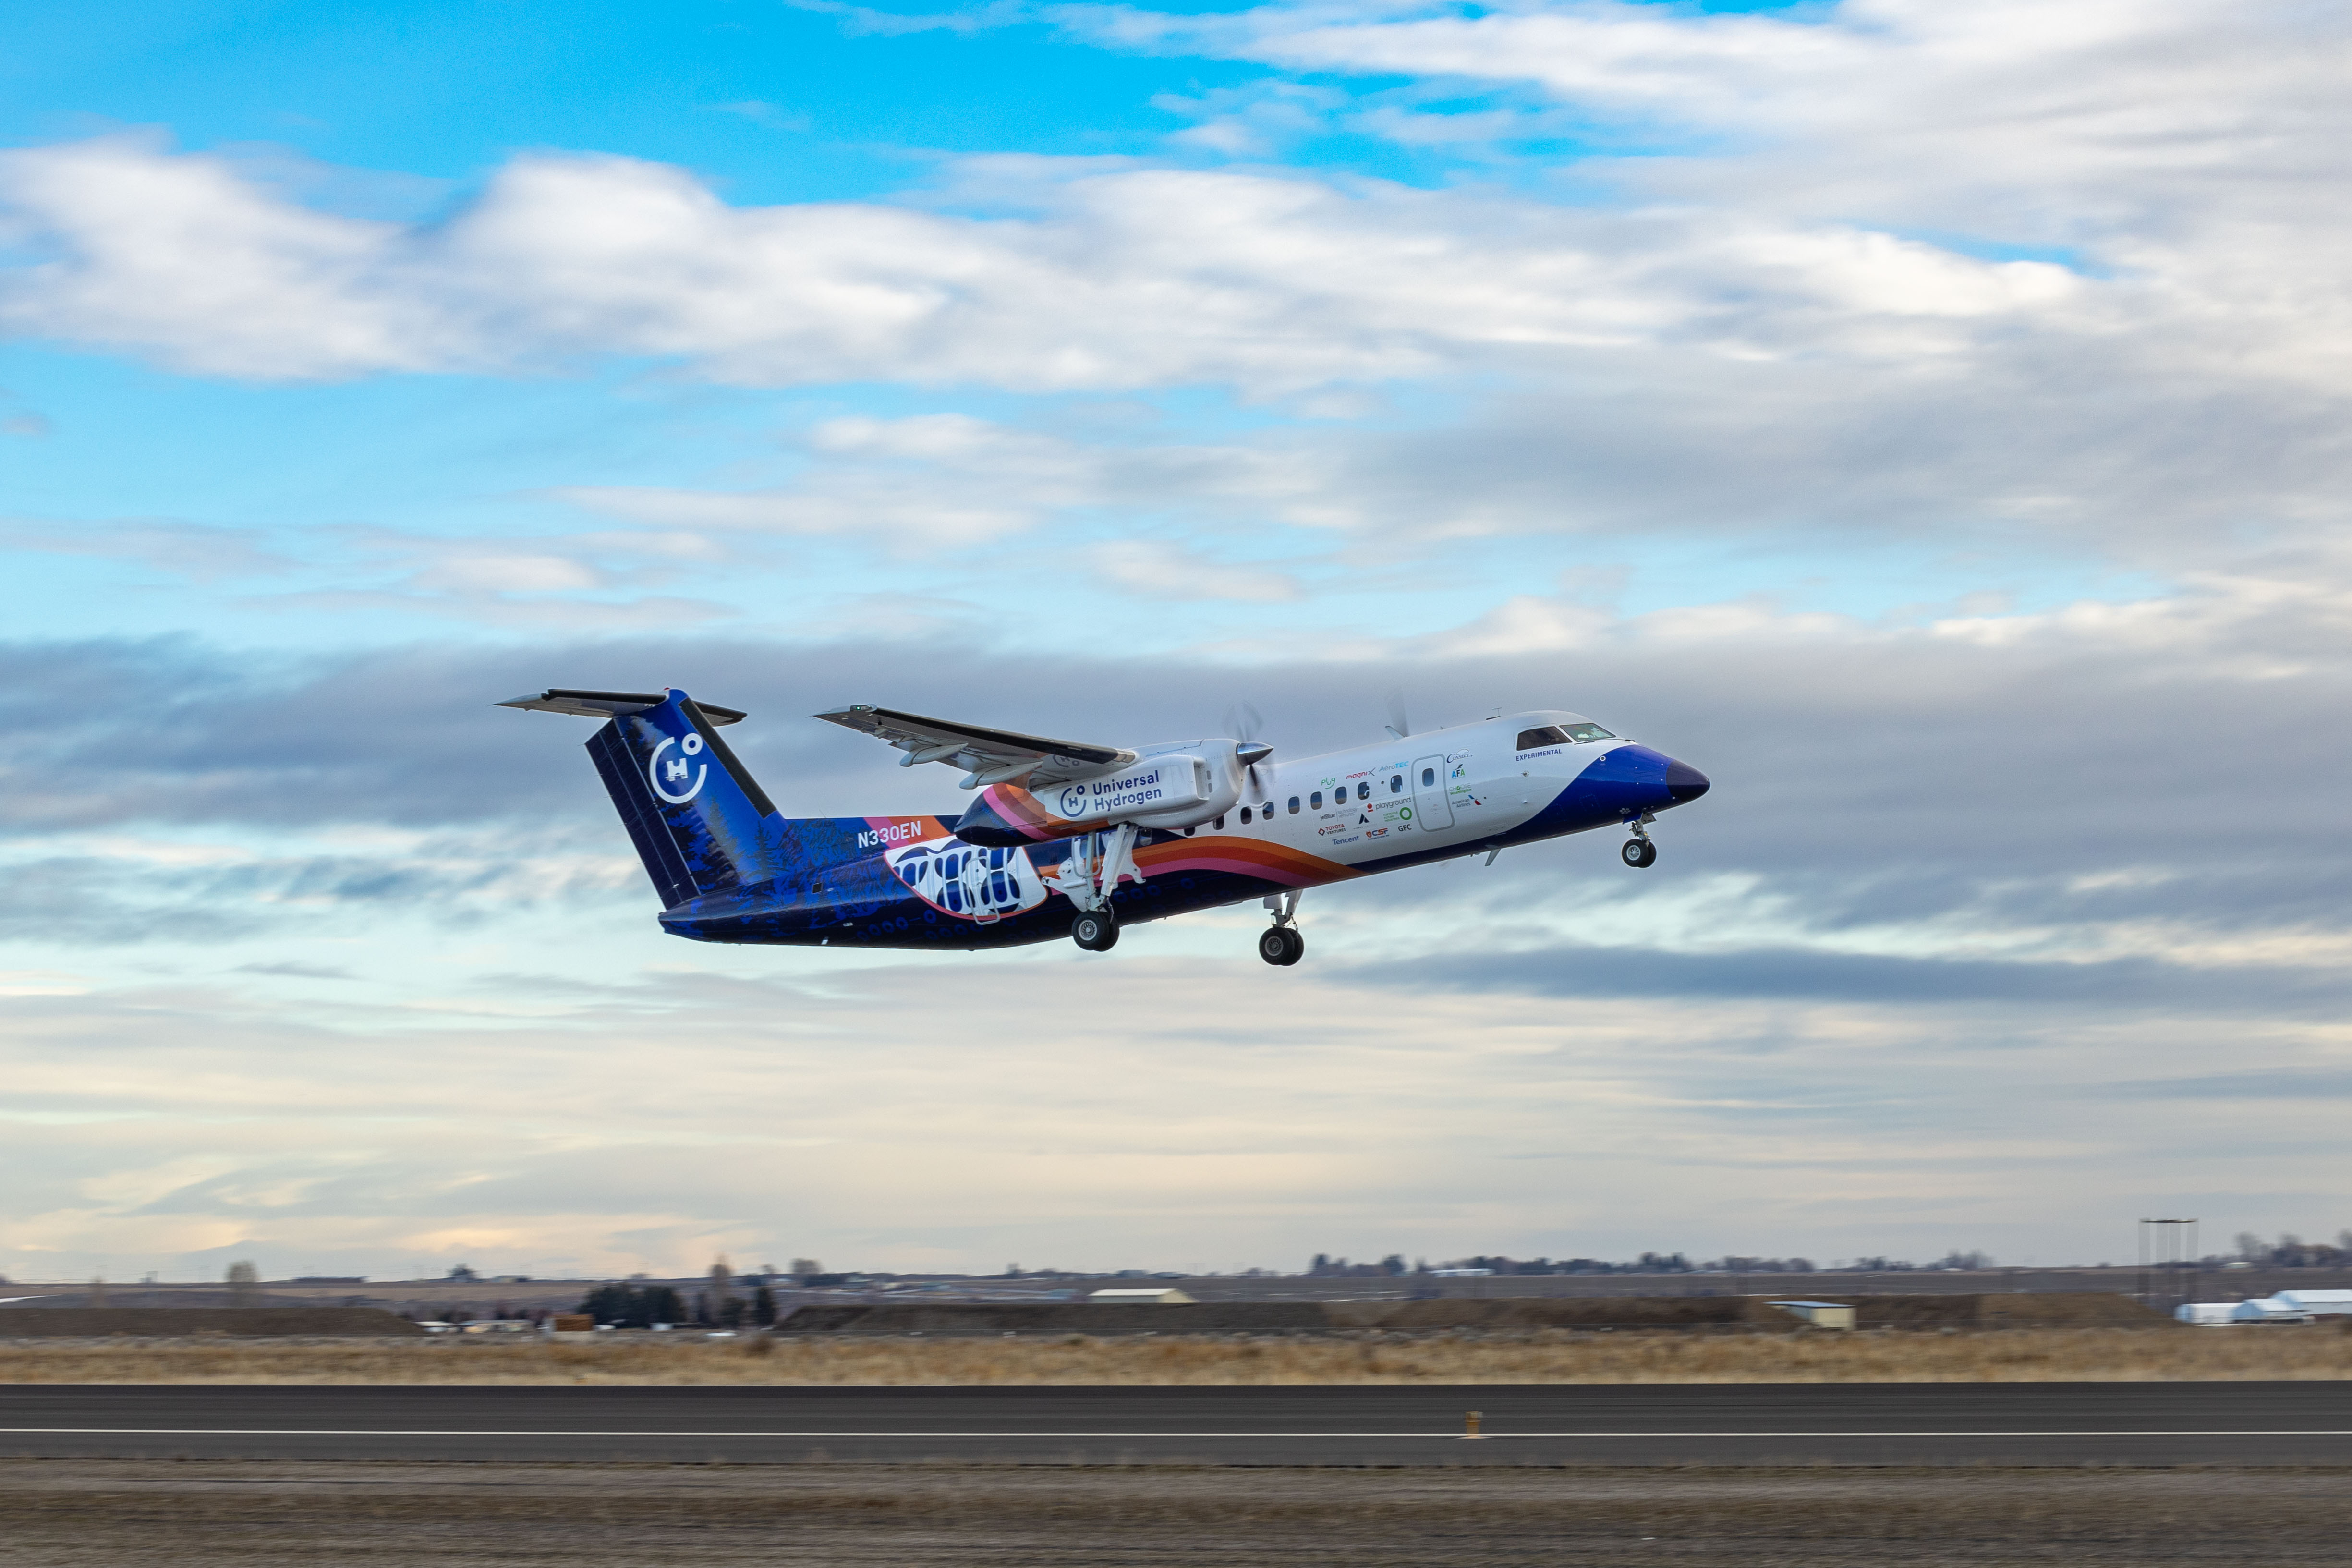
[[662, 773]]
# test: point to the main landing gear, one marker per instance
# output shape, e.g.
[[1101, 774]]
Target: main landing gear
[[1638, 851], [1281, 943], [1097, 930]]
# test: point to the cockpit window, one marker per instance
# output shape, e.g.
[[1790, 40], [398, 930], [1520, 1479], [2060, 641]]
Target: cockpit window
[[1562, 735]]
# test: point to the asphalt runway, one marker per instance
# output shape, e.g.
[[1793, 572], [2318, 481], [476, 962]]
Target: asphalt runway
[[1730, 1424]]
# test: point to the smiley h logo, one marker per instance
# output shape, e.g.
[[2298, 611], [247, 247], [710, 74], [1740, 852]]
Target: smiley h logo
[[664, 771]]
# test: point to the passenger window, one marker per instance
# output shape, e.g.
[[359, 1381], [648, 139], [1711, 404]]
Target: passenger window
[[1220, 824], [1293, 806], [1428, 777], [1396, 784], [1315, 800], [1364, 791], [1245, 816]]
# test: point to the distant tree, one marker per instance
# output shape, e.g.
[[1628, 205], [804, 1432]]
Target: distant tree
[[2251, 1247], [1392, 1263], [463, 1274], [763, 1306], [244, 1285], [632, 1306]]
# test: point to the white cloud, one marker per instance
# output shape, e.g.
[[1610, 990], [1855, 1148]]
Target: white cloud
[[1126, 279], [1158, 571]]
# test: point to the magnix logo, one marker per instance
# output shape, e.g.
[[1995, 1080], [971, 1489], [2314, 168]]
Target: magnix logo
[[661, 774]]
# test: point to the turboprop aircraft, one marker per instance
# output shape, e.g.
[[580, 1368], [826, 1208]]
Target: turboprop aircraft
[[1072, 838]]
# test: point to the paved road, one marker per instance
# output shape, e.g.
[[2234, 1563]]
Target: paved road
[[1879, 1424]]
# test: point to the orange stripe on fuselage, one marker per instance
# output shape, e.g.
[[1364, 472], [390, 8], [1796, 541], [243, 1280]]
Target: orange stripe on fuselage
[[1242, 856]]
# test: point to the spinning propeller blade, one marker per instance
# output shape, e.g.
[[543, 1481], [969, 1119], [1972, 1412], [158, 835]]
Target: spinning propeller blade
[[1243, 724], [1397, 725]]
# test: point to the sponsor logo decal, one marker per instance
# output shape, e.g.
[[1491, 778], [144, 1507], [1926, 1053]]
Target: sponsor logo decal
[[1073, 801], [662, 772]]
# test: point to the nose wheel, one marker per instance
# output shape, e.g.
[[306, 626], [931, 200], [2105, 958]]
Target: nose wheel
[[1638, 852], [1281, 946], [1097, 930]]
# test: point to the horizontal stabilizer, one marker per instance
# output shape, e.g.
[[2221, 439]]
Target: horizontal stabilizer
[[611, 704]]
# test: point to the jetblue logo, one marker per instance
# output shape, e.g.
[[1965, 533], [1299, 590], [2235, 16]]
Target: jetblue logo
[[662, 771]]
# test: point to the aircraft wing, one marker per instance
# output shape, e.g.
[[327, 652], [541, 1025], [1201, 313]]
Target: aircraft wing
[[991, 756]]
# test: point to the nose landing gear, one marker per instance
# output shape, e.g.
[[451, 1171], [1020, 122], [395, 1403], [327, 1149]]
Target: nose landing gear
[[1638, 851]]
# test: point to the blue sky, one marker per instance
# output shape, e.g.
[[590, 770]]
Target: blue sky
[[1907, 413]]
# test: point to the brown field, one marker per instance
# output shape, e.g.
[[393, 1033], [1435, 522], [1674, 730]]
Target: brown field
[[88, 1514], [1540, 1356]]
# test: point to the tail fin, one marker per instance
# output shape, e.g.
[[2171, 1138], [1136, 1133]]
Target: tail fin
[[700, 822]]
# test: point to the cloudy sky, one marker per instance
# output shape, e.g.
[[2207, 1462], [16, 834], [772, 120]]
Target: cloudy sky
[[1929, 419]]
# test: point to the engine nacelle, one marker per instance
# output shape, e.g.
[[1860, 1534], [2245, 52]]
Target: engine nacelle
[[1165, 789]]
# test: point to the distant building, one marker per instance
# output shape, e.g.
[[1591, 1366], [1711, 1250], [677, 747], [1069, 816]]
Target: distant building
[[1461, 1273], [1162, 1298], [2295, 1307], [1821, 1314]]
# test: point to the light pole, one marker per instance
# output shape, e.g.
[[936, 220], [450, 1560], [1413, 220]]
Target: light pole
[[2171, 1246]]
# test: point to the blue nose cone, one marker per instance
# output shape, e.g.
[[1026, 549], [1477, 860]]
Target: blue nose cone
[[1685, 783]]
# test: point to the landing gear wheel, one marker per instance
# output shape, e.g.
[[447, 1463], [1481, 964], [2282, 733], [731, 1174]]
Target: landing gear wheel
[[1095, 930], [1638, 852], [1281, 946]]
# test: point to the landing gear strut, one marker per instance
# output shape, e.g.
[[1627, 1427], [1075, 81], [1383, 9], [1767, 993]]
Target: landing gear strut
[[1281, 943], [1638, 851]]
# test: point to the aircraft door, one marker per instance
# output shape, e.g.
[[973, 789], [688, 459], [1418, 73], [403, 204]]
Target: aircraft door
[[1430, 807]]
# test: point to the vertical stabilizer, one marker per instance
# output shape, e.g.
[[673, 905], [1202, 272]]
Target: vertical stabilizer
[[700, 822]]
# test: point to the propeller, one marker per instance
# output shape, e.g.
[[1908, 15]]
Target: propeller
[[1243, 724], [1396, 724]]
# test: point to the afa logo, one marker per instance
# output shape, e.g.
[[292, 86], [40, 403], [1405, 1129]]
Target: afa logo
[[662, 773]]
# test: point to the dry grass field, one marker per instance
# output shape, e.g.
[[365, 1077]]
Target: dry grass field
[[191, 1514], [1545, 1356]]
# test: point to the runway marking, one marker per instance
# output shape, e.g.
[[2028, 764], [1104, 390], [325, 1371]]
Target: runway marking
[[1288, 1437]]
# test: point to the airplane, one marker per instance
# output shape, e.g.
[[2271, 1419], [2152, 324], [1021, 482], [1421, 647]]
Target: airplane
[[1074, 838]]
